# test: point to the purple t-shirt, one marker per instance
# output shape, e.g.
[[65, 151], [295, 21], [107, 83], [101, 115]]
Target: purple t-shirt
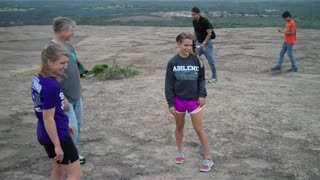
[[47, 94]]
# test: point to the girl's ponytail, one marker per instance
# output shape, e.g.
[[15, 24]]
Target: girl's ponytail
[[195, 53]]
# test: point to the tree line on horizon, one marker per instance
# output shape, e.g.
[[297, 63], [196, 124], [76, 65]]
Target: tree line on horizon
[[240, 14]]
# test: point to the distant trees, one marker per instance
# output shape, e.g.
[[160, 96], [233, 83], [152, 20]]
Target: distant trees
[[222, 14]]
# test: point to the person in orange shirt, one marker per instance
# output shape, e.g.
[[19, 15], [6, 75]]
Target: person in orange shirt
[[290, 39]]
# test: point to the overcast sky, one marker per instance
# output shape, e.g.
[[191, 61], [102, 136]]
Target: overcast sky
[[186, 0]]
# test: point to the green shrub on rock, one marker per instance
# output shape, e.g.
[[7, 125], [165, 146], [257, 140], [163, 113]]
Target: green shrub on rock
[[105, 72]]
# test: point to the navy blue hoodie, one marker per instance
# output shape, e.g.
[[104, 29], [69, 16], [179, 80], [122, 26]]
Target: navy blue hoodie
[[185, 78]]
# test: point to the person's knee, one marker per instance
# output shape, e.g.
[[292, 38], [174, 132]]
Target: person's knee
[[290, 54], [179, 128], [291, 57], [199, 130], [282, 53], [58, 172], [75, 174], [78, 174], [211, 62], [74, 177], [210, 58]]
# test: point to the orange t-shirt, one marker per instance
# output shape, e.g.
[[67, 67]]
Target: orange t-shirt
[[291, 38]]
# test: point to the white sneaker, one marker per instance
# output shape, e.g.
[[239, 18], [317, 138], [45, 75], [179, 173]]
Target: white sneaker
[[206, 165], [179, 158], [212, 80], [82, 159]]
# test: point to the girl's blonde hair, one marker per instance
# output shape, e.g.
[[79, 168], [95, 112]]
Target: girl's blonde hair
[[51, 53]]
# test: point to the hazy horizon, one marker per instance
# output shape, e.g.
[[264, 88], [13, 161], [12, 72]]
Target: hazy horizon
[[173, 13], [186, 0]]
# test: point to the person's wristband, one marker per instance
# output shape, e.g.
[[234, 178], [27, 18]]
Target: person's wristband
[[204, 43]]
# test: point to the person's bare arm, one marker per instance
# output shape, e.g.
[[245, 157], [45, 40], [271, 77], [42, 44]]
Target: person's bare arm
[[284, 31], [290, 32], [208, 37], [66, 105], [173, 111], [202, 101], [51, 128]]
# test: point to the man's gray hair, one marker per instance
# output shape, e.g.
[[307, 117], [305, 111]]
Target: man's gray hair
[[63, 23]]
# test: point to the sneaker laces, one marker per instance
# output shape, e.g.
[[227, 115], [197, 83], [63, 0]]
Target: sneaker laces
[[206, 162], [180, 154]]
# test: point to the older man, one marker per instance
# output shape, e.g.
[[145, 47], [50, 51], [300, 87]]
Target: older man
[[64, 28]]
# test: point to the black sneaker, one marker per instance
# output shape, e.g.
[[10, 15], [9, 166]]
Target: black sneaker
[[82, 159], [292, 70], [276, 69]]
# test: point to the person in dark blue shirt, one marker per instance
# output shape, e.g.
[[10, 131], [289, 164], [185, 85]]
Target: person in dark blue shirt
[[53, 130]]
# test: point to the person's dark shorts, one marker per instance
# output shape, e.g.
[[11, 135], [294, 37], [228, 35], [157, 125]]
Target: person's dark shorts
[[68, 147]]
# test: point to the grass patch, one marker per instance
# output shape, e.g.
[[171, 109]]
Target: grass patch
[[105, 72]]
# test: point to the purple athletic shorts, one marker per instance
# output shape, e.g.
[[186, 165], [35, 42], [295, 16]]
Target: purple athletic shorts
[[192, 106]]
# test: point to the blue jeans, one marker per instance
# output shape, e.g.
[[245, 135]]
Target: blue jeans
[[75, 114], [287, 47], [208, 53]]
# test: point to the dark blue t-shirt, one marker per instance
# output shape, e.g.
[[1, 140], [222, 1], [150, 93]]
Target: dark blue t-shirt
[[47, 94]]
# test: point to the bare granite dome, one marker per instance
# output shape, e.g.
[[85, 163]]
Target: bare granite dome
[[261, 125]]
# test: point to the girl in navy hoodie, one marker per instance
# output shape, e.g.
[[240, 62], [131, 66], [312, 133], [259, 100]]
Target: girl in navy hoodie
[[185, 91]]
